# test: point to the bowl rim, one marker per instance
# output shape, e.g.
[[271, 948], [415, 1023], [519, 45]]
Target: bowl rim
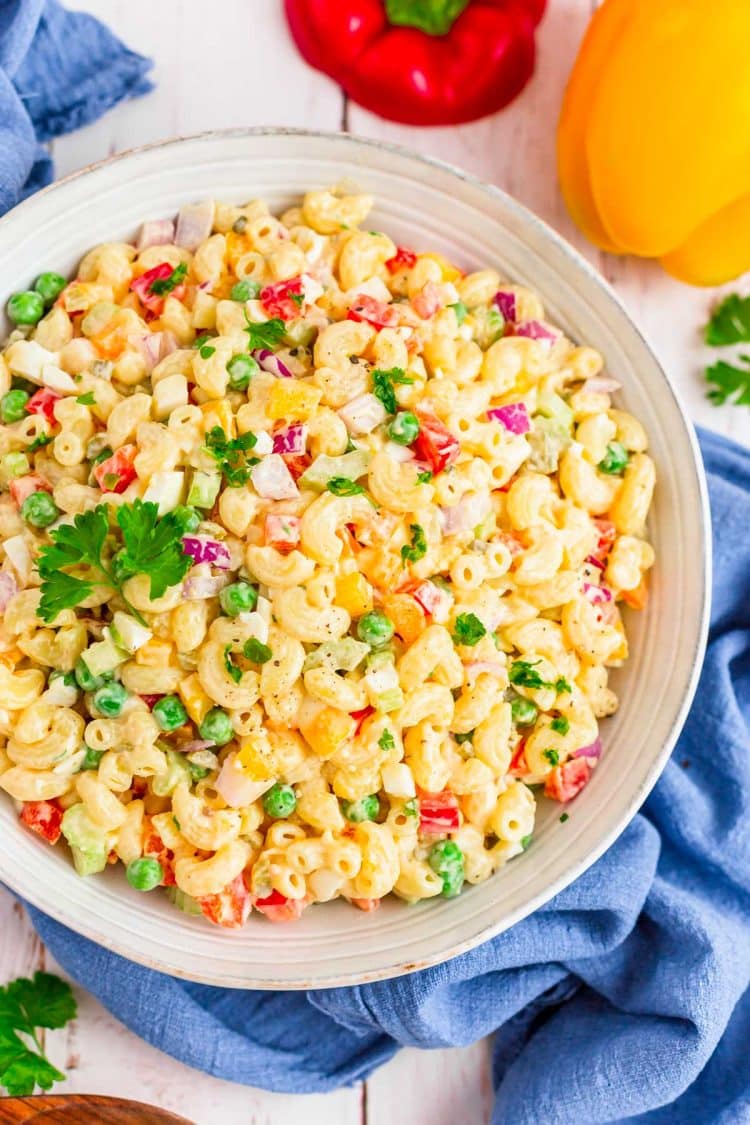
[[89, 927]]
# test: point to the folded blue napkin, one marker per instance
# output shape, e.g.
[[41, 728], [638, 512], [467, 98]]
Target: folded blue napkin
[[59, 70], [623, 999]]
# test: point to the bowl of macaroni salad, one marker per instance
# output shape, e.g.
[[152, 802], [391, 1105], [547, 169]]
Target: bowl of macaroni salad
[[332, 591]]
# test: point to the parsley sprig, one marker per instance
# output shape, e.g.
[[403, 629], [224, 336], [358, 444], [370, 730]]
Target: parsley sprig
[[26, 1005], [383, 384], [231, 455], [163, 285], [268, 334], [468, 629], [151, 546], [523, 673], [417, 549], [729, 323], [729, 383]]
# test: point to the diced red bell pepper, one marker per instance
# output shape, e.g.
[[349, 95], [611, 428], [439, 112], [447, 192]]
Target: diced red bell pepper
[[435, 444], [155, 847], [154, 302], [374, 312], [438, 813], [366, 904], [566, 781], [360, 716], [118, 471], [427, 302], [430, 596], [282, 532], [284, 299], [229, 908], [278, 908], [296, 463], [43, 402], [44, 818], [23, 487], [403, 259], [607, 536], [518, 765], [150, 700]]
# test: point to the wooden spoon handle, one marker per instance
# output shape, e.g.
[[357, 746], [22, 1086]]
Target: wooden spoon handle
[[82, 1109]]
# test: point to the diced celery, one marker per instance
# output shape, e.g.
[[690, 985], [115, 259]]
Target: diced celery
[[389, 700], [300, 333], [15, 465], [350, 465], [103, 656], [128, 633], [380, 658], [177, 770], [204, 488], [183, 902], [343, 655], [87, 841], [89, 863], [547, 439], [488, 325], [550, 405]]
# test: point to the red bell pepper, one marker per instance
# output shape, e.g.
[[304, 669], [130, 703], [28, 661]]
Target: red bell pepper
[[23, 487], [278, 908], [282, 532], [118, 471], [566, 781], [44, 818], [434, 443], [438, 813], [43, 402], [607, 536], [422, 62], [374, 312], [284, 299], [155, 847], [403, 259], [229, 908], [154, 301]]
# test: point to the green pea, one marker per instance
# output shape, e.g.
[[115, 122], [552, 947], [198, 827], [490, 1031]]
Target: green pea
[[188, 518], [447, 860], [110, 699], [614, 461], [241, 369], [39, 509], [91, 759], [245, 290], [238, 598], [86, 681], [49, 286], [365, 809], [404, 428], [26, 307], [169, 713], [523, 711], [217, 727], [13, 406], [375, 628], [280, 801], [144, 874]]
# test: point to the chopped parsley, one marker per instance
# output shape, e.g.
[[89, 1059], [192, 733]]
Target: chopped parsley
[[560, 725], [525, 841], [417, 549], [424, 477], [163, 285], [231, 456], [151, 546], [199, 341], [87, 399], [460, 738], [386, 741], [460, 310], [468, 629], [565, 816], [256, 651], [268, 334], [229, 664], [383, 383], [730, 322], [343, 486], [206, 351], [523, 674], [40, 442], [552, 756], [410, 807]]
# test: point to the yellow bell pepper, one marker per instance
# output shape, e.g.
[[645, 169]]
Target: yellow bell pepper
[[654, 135]]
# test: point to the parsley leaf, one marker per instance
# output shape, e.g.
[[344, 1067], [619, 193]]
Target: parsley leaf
[[199, 341], [206, 351], [468, 629], [730, 322], [560, 725], [153, 546], [730, 383], [87, 399], [231, 456], [26, 1005], [163, 285], [382, 386], [417, 549], [552, 756], [460, 310], [461, 738], [410, 807], [231, 667], [424, 477], [386, 741], [268, 334], [523, 674], [525, 841], [343, 486], [257, 652], [39, 442], [565, 816]]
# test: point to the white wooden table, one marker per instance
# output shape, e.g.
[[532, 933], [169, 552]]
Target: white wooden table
[[230, 63]]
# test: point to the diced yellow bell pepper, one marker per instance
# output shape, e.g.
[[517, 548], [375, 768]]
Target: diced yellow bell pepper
[[293, 400], [218, 412], [328, 730], [256, 757], [653, 156], [197, 703], [354, 594], [450, 272], [155, 653]]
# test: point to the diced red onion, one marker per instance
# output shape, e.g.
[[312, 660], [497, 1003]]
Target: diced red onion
[[594, 751], [601, 385], [156, 346], [592, 560], [454, 519], [536, 330], [597, 595], [272, 480], [505, 301], [514, 416], [203, 586], [194, 746], [237, 789], [8, 589], [194, 223], [271, 363], [206, 550], [362, 414], [291, 440], [157, 232]]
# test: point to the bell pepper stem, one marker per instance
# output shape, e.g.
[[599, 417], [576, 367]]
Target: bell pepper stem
[[435, 17]]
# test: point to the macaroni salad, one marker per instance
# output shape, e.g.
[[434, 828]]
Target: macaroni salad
[[313, 553]]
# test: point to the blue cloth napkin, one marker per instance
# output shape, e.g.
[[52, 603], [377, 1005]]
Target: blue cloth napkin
[[623, 999], [59, 70]]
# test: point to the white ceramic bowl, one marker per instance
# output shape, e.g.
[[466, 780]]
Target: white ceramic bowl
[[428, 205]]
